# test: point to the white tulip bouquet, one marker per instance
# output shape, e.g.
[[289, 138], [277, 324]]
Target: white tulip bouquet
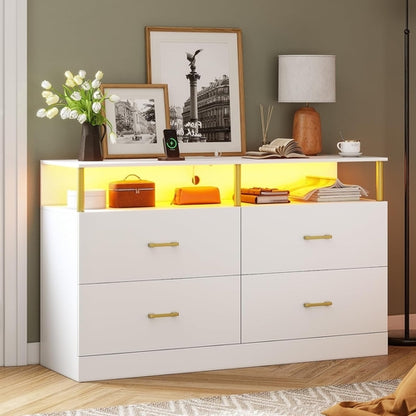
[[81, 100]]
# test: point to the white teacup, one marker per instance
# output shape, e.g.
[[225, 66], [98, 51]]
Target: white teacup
[[349, 146]]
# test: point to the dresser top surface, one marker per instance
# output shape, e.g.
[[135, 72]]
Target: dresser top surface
[[208, 160]]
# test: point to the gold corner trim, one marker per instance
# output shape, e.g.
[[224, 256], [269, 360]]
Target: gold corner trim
[[237, 185], [81, 191], [379, 181]]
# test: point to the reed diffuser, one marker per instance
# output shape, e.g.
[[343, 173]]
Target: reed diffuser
[[265, 123]]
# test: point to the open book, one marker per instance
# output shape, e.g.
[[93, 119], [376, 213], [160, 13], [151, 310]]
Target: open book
[[276, 149], [320, 189]]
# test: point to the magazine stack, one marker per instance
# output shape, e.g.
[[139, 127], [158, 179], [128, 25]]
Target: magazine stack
[[318, 189]]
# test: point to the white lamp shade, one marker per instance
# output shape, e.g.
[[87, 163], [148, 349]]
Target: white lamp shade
[[306, 79]]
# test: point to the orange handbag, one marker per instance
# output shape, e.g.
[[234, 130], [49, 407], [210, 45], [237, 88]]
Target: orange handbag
[[196, 195], [131, 193]]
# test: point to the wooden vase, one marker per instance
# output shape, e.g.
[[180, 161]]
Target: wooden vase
[[307, 130]]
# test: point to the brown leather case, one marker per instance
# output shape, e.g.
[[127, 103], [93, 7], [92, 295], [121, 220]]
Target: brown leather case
[[197, 195], [130, 193]]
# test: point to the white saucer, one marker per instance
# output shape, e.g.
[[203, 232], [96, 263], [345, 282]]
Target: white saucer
[[350, 154]]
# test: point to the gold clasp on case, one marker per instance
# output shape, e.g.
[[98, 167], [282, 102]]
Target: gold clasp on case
[[162, 315], [313, 305], [171, 244], [318, 237]]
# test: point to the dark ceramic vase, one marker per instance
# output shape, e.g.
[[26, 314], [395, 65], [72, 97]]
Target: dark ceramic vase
[[91, 143]]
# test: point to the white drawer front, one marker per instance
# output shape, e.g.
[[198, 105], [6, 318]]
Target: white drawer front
[[114, 316], [114, 245], [342, 235], [273, 305]]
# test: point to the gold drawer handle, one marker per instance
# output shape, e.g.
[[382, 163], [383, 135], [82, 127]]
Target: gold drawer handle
[[171, 244], [318, 237], [162, 315], [313, 305]]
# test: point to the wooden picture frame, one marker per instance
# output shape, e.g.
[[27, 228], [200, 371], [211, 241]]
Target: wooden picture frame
[[138, 120], [203, 68]]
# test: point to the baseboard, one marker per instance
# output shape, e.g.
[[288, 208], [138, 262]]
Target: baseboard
[[394, 322], [33, 353], [397, 322]]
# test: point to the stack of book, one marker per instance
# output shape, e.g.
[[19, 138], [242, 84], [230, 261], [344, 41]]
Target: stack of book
[[264, 195], [320, 189]]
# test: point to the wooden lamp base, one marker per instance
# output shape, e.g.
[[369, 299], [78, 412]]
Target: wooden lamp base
[[307, 130]]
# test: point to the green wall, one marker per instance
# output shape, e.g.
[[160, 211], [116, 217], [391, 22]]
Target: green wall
[[365, 35]]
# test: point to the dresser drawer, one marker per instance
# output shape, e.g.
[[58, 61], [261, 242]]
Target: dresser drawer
[[114, 316], [158, 243], [287, 305], [313, 236]]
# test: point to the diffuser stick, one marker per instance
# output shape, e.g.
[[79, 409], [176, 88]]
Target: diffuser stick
[[265, 126]]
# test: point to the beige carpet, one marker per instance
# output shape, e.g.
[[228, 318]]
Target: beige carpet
[[299, 402]]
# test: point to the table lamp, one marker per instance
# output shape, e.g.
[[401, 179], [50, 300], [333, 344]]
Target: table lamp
[[307, 79]]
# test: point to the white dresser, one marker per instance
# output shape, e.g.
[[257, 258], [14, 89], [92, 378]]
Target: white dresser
[[144, 291]]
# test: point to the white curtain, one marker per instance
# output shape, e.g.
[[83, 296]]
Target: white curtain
[[13, 182]]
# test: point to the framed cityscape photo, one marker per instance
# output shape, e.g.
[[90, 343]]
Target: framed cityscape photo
[[203, 70], [137, 119]]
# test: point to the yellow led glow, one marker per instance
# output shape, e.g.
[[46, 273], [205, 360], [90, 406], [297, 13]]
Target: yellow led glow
[[166, 178], [280, 175], [57, 180]]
